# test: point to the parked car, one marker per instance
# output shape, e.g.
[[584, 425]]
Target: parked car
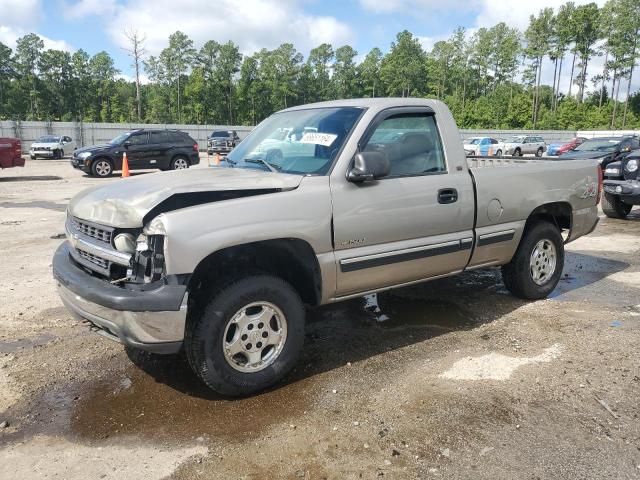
[[621, 186], [523, 144], [222, 141], [145, 148], [11, 153], [604, 149], [52, 146], [220, 262], [481, 146], [564, 146]]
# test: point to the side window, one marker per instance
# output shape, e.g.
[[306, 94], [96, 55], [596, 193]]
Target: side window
[[158, 137], [176, 137], [494, 141], [635, 144], [66, 139], [410, 142], [138, 138]]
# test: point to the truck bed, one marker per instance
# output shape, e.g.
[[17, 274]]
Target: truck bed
[[493, 161]]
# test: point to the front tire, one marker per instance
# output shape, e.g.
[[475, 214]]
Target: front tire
[[613, 207], [517, 152], [536, 267], [248, 337], [499, 153], [101, 168]]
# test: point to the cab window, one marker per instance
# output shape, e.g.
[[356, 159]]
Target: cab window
[[411, 143], [138, 138]]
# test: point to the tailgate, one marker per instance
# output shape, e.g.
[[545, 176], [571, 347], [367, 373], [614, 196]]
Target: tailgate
[[11, 153]]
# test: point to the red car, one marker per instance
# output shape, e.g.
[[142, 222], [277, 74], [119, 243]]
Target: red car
[[11, 153], [564, 146]]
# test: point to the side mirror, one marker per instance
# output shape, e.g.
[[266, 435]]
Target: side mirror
[[368, 166], [126, 144]]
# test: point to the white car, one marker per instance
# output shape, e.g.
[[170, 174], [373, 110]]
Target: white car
[[52, 146], [481, 146], [523, 144]]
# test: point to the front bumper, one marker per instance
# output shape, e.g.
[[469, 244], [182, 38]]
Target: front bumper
[[151, 320], [627, 190], [40, 153]]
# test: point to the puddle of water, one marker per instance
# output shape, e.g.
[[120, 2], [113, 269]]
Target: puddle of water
[[58, 207], [167, 402], [11, 346]]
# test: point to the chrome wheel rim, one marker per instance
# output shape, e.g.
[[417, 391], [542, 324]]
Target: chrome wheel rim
[[254, 337], [180, 164], [103, 168], [542, 263]]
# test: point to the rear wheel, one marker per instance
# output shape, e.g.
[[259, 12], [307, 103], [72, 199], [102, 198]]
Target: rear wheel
[[248, 336], [535, 269], [539, 152], [179, 163], [57, 154], [613, 207], [101, 168]]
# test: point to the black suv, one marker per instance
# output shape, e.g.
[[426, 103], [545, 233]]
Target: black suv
[[622, 186], [145, 148], [222, 141]]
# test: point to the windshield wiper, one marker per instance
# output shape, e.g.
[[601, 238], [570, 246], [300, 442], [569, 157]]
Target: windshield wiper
[[264, 162]]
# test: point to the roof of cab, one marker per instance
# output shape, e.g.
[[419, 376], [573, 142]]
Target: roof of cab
[[377, 103]]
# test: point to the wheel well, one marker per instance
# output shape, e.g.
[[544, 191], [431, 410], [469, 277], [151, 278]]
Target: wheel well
[[180, 155], [291, 259], [558, 213]]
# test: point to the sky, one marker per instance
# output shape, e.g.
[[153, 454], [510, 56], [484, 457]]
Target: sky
[[96, 25]]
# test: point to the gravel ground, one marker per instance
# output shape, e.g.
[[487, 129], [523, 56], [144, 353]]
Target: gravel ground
[[448, 379]]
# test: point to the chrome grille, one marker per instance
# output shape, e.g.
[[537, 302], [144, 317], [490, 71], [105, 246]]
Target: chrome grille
[[89, 257], [93, 231]]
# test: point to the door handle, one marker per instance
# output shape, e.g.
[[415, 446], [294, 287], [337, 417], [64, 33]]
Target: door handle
[[447, 195]]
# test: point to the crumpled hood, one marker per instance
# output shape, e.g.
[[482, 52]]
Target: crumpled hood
[[125, 203], [44, 144]]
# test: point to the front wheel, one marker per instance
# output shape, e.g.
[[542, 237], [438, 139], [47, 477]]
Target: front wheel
[[613, 207], [517, 152], [499, 153], [101, 168], [535, 269], [248, 336]]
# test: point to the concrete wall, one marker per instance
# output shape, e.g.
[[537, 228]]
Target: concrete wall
[[95, 133]]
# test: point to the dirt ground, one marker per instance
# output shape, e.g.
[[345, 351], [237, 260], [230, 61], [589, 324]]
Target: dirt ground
[[448, 379]]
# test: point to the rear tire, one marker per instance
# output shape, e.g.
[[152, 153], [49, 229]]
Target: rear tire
[[179, 163], [242, 315], [539, 152], [613, 207], [536, 267]]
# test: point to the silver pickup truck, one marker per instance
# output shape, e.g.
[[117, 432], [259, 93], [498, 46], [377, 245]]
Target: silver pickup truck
[[368, 195]]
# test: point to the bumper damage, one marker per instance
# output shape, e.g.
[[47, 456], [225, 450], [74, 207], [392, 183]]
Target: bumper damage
[[152, 319]]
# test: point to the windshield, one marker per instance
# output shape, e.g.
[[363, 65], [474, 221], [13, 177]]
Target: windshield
[[221, 134], [302, 141], [120, 138], [49, 139], [598, 145], [473, 141], [514, 140]]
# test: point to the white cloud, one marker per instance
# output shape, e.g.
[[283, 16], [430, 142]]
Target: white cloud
[[411, 7], [252, 24], [144, 79], [516, 13], [18, 18], [85, 8]]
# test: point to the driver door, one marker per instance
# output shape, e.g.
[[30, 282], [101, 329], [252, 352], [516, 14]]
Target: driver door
[[415, 223], [137, 149]]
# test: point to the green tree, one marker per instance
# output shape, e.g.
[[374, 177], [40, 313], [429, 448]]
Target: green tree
[[344, 77], [403, 69], [369, 72]]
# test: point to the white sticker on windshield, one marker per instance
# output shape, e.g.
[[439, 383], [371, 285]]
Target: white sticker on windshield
[[324, 139]]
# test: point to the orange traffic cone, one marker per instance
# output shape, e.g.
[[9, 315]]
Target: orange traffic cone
[[125, 165], [218, 158]]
